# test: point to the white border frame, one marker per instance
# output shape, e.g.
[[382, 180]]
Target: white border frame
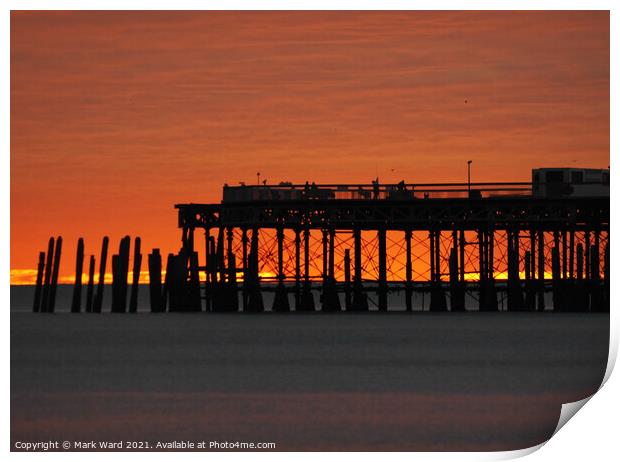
[[593, 434]]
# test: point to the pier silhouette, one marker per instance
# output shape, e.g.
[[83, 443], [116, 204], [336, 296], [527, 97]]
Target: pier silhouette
[[499, 245]]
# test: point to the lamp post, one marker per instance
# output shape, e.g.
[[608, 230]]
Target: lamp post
[[469, 177]]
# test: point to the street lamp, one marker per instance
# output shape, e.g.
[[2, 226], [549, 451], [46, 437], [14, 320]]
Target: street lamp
[[469, 176]]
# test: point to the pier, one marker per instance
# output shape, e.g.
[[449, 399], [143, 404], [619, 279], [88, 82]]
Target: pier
[[500, 245], [458, 247]]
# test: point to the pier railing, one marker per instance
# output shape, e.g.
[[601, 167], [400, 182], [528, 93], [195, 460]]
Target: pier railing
[[374, 191]]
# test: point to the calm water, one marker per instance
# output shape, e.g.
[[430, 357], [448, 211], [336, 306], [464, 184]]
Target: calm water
[[418, 381]]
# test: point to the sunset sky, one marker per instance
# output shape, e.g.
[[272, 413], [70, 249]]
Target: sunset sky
[[116, 116]]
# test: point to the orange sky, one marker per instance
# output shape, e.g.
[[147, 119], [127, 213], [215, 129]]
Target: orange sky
[[116, 116]]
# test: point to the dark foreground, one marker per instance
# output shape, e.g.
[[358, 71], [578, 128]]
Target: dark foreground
[[471, 381]]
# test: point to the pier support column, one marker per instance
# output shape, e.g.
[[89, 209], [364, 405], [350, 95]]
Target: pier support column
[[462, 244], [255, 298], [488, 294], [564, 254], [297, 269], [515, 294], [581, 298], [438, 296], [571, 258], [207, 270], [482, 271], [232, 290], [607, 294], [213, 273], [382, 292], [556, 277], [347, 280], [244, 291], [408, 272], [541, 270], [360, 299], [586, 251], [596, 295], [330, 299], [457, 293], [530, 299], [280, 300], [218, 295], [325, 255], [307, 298]]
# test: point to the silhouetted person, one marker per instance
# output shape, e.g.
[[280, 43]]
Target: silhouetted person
[[375, 188]]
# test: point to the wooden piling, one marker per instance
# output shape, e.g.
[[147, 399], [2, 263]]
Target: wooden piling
[[48, 275], [154, 260], [54, 283], [135, 276], [178, 295], [39, 284], [166, 297], [77, 285], [195, 302], [91, 285], [100, 285], [116, 275], [123, 272]]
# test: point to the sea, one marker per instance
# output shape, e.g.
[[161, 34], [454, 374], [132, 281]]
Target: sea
[[393, 381]]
